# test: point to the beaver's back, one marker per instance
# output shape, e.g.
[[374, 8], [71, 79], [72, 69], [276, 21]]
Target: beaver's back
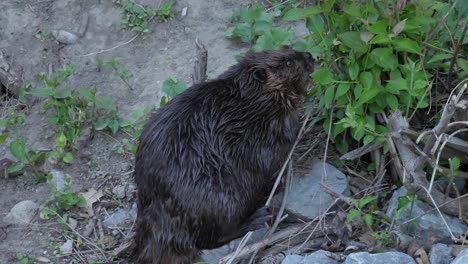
[[205, 163]]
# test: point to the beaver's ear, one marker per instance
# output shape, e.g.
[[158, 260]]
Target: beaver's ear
[[259, 74]]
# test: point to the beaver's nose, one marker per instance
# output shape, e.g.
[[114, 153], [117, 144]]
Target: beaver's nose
[[308, 56]]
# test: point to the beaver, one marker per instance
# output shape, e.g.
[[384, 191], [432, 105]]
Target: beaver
[[207, 160]]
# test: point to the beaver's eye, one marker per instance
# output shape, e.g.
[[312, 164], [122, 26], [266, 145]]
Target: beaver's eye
[[289, 63]]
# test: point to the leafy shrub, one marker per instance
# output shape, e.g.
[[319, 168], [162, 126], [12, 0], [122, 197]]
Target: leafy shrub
[[137, 17], [72, 110], [374, 57]]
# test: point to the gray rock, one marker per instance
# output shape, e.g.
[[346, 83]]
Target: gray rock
[[64, 37], [72, 222], [306, 197], [429, 224], [440, 254], [67, 247], [58, 180], [316, 257], [22, 213], [293, 259], [387, 258], [118, 219], [462, 258], [131, 190], [119, 191]]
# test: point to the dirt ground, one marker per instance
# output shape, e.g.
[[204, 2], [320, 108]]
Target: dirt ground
[[167, 50]]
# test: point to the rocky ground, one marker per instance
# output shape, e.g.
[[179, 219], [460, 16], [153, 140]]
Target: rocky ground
[[104, 176]]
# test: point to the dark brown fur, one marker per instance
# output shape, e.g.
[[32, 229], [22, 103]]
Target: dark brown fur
[[207, 160]]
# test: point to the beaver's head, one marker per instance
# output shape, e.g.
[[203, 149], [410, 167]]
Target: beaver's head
[[284, 71]]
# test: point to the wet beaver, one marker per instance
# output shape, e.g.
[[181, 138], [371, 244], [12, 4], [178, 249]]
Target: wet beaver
[[206, 162]]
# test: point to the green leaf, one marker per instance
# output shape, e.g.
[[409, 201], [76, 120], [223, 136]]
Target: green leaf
[[366, 200], [392, 101], [357, 91], [250, 15], [88, 94], [379, 28], [353, 71], [439, 57], [4, 123], [404, 44], [68, 157], [114, 126], [368, 139], [15, 167], [368, 220], [61, 140], [81, 201], [101, 123], [43, 92], [353, 41], [343, 88], [243, 31], [385, 58], [137, 29], [455, 163], [163, 101], [300, 13], [338, 129], [367, 79], [381, 39], [353, 213], [261, 27], [463, 64], [353, 10], [53, 119], [63, 93], [394, 86], [3, 138], [402, 203], [323, 76], [172, 87], [367, 95], [17, 149], [315, 24], [328, 98]]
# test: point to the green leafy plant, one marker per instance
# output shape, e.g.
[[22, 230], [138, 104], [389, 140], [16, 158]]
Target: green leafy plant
[[172, 88], [137, 17], [375, 57], [24, 259], [256, 26], [61, 201], [73, 109], [17, 146], [119, 69], [164, 12], [367, 209], [368, 202], [372, 61]]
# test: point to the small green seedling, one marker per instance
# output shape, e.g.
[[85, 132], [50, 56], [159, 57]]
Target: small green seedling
[[164, 12], [172, 88], [119, 69], [61, 201]]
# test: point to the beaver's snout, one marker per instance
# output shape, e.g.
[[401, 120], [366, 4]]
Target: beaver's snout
[[309, 61]]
